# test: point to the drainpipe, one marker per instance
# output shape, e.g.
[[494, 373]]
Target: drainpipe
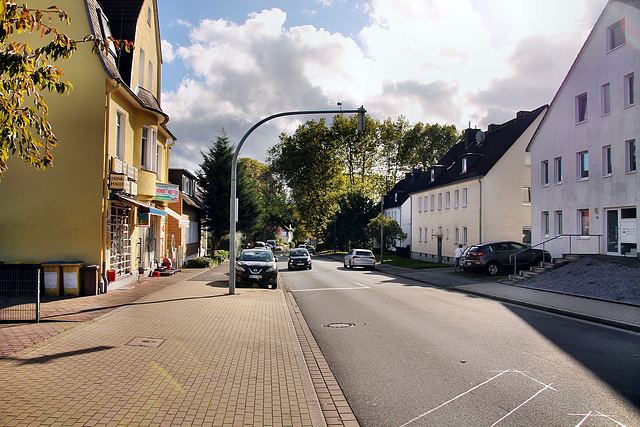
[[105, 191], [480, 213]]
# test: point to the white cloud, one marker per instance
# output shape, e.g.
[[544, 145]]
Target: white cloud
[[448, 61], [167, 52]]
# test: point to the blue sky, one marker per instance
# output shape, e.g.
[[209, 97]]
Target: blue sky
[[228, 64]]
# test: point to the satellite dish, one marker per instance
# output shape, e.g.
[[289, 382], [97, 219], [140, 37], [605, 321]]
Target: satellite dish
[[480, 136]]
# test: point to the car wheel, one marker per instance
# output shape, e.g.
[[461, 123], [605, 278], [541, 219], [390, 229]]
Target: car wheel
[[275, 285], [350, 265], [309, 266], [536, 262], [289, 268], [345, 264], [492, 269]]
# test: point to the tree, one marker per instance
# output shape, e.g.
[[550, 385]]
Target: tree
[[214, 178], [25, 74], [424, 145], [309, 164], [392, 232], [348, 227]]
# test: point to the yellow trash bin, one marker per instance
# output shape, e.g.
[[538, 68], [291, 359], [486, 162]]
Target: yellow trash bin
[[71, 278], [52, 278]]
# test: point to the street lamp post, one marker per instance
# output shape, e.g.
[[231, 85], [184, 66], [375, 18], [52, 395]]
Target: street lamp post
[[234, 172]]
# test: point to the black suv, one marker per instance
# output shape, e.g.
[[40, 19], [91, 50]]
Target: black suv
[[258, 265], [495, 256]]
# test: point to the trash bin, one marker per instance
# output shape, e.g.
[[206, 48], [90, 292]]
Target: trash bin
[[52, 278], [89, 280], [71, 278]]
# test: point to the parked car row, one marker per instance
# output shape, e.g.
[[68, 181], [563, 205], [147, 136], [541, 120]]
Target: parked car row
[[493, 257]]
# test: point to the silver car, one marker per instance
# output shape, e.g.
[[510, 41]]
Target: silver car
[[360, 258]]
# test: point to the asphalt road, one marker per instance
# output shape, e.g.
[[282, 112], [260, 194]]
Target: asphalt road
[[406, 353]]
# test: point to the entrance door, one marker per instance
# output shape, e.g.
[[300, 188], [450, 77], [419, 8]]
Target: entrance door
[[622, 225]]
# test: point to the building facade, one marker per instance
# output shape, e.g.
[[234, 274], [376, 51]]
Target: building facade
[[102, 202], [479, 191], [586, 189]]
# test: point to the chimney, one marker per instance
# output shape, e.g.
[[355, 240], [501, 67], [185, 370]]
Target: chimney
[[522, 113], [469, 136]]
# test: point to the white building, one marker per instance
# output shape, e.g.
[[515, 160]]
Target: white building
[[585, 185], [397, 205]]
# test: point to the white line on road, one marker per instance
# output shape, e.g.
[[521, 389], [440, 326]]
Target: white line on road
[[522, 404], [360, 286]]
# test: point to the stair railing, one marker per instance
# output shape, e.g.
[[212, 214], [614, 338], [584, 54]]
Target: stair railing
[[543, 244]]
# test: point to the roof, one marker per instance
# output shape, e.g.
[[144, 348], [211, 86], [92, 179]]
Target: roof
[[481, 156], [403, 189]]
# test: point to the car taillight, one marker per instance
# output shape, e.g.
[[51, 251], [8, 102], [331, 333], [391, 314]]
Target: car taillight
[[478, 253]]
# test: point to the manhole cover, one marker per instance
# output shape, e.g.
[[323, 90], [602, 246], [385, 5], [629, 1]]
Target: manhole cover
[[339, 325], [146, 342]]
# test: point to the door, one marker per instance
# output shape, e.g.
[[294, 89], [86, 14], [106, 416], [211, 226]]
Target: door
[[622, 226]]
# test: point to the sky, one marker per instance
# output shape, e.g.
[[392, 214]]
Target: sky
[[227, 64]]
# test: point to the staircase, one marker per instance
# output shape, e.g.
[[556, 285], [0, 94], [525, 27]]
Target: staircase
[[543, 267]]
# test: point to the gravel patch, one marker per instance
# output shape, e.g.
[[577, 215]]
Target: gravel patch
[[594, 276]]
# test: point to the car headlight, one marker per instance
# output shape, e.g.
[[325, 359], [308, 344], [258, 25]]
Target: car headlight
[[239, 268], [270, 269]]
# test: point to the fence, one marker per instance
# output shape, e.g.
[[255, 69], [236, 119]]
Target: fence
[[19, 295]]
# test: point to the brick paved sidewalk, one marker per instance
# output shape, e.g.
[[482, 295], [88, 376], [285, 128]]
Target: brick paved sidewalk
[[187, 353]]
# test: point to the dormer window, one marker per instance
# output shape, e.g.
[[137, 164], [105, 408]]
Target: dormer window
[[106, 31], [396, 197], [433, 175], [464, 165]]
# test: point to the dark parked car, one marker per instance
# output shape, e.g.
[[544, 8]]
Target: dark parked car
[[258, 265], [493, 257], [299, 258]]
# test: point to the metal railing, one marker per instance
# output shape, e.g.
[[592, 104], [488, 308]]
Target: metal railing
[[543, 243], [19, 295]]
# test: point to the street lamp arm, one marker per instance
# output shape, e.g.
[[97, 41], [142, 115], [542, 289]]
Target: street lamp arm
[[234, 172]]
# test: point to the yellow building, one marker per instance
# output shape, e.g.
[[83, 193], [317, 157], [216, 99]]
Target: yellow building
[[479, 191], [102, 202]]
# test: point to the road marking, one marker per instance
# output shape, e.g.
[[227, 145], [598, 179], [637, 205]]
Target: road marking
[[596, 415], [521, 405], [545, 387], [332, 289]]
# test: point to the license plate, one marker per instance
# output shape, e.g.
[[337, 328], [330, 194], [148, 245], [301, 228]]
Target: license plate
[[255, 276]]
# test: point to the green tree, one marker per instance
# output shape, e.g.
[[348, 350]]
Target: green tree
[[26, 75], [423, 145], [309, 164], [392, 232], [214, 178], [348, 227]]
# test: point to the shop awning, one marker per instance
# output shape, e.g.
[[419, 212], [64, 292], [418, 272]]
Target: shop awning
[[183, 220], [133, 202], [154, 211]]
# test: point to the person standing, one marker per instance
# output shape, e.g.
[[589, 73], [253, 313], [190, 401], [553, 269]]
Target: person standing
[[457, 255]]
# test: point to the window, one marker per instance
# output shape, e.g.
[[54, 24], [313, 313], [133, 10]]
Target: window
[[187, 186], [464, 198], [526, 196], [158, 162], [106, 32], [150, 76], [583, 165], [456, 199], [439, 201], [149, 15], [464, 235], [544, 173], [557, 170], [120, 135], [464, 165], [544, 224], [420, 234], [631, 155], [433, 175], [433, 202], [558, 222], [193, 232], [581, 108], [583, 222], [420, 204], [629, 98], [141, 69], [615, 35], [606, 99], [149, 149], [456, 235], [447, 200], [607, 165]]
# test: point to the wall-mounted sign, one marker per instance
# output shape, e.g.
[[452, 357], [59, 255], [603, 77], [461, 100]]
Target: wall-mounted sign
[[167, 192], [143, 219], [117, 181]]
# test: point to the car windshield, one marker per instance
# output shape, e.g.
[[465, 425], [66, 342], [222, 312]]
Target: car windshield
[[256, 256], [364, 253], [299, 252]]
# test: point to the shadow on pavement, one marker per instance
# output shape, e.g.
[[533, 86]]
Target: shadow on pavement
[[51, 357], [611, 354]]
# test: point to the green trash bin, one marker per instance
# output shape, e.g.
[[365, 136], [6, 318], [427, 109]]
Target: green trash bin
[[71, 279]]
